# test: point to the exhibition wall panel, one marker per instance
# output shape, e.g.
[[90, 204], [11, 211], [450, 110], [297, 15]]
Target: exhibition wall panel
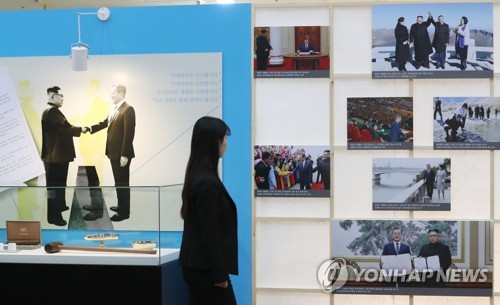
[[353, 184], [473, 172], [291, 268], [351, 299], [293, 207], [292, 111], [470, 180], [292, 298], [351, 40]]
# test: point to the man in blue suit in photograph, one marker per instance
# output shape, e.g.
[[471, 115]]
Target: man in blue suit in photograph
[[396, 133], [306, 46], [396, 247]]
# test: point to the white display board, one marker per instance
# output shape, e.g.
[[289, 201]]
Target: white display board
[[280, 223]]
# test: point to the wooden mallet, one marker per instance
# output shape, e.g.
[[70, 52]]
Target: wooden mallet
[[56, 246]]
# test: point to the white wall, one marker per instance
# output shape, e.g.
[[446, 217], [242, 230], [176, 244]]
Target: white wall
[[293, 236]]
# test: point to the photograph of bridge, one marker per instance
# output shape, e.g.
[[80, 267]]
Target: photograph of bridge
[[379, 123], [421, 53], [411, 184], [476, 128]]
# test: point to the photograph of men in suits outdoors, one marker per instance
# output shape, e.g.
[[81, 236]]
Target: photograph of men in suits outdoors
[[119, 148], [467, 122], [463, 49], [291, 171], [58, 150], [304, 171], [411, 184]]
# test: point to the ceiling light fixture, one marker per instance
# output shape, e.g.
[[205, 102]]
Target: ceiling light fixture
[[80, 50]]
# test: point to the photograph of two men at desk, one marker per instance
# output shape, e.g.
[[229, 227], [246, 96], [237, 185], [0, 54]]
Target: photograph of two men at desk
[[415, 257], [292, 52]]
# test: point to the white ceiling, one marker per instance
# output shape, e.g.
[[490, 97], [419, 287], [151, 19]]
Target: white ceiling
[[54, 4]]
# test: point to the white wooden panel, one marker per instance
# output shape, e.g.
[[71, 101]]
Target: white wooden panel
[[447, 300], [292, 298], [292, 111], [292, 16], [352, 184], [293, 207], [288, 253], [470, 184], [352, 43]]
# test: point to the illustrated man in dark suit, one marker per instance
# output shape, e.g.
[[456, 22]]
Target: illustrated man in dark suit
[[262, 169], [58, 150], [304, 169], [305, 47], [263, 50], [119, 148], [429, 176]]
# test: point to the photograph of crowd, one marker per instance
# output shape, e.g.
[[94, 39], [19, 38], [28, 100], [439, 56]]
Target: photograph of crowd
[[432, 40], [292, 170], [466, 122], [380, 123]]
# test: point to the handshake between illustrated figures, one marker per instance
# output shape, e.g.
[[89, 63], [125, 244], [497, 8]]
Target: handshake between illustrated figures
[[85, 129]]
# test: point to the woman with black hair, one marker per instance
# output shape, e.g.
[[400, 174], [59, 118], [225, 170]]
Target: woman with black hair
[[462, 41], [402, 45], [209, 249]]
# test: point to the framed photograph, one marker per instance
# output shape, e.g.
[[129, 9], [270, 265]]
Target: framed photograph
[[291, 171], [410, 257], [466, 123], [364, 240], [292, 52], [422, 184], [379, 123], [432, 40]]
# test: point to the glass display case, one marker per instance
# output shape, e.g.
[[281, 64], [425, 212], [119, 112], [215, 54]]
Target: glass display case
[[78, 232]]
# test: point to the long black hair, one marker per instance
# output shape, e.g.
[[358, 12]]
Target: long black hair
[[208, 134]]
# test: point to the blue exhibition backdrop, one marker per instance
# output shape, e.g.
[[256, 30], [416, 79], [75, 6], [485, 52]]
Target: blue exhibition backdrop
[[164, 29]]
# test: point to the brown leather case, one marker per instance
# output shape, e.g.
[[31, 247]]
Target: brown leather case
[[23, 232]]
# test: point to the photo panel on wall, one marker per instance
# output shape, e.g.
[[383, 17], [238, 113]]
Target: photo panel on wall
[[292, 52], [292, 171], [470, 123], [432, 40], [410, 257], [379, 123], [422, 184]]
